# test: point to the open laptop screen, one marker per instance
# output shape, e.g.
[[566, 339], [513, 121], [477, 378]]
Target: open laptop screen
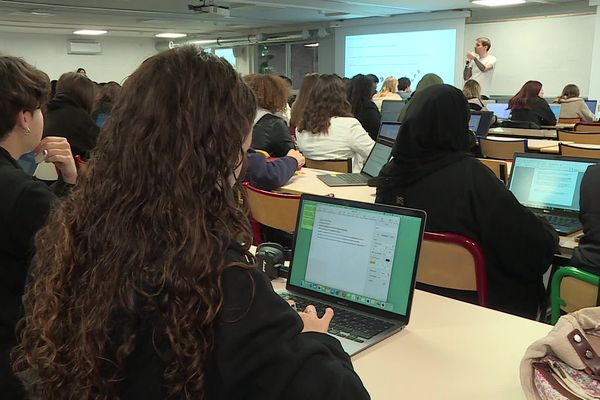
[[390, 110], [379, 156], [592, 105], [548, 182], [474, 122], [389, 131], [555, 109], [500, 109], [362, 255]]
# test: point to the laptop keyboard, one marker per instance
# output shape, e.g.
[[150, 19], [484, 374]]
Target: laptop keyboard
[[561, 223], [346, 324], [346, 178]]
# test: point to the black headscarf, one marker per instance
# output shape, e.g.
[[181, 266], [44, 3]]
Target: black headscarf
[[435, 133]]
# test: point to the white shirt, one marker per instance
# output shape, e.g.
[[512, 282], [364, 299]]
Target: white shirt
[[484, 78], [346, 138]]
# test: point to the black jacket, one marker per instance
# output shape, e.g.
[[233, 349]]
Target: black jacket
[[539, 113], [587, 255], [24, 207], [259, 351], [465, 197], [270, 133], [65, 117], [370, 119]]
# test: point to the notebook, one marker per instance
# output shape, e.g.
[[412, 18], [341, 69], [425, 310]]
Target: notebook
[[549, 186], [359, 259], [500, 110], [480, 122], [390, 110], [555, 110]]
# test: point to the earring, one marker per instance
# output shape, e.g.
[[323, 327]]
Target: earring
[[27, 131]]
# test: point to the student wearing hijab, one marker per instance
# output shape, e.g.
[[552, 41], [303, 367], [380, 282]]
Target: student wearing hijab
[[587, 254], [432, 161], [426, 81]]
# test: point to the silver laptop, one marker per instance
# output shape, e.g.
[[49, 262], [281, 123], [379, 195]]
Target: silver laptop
[[549, 186], [359, 259], [379, 156], [480, 122]]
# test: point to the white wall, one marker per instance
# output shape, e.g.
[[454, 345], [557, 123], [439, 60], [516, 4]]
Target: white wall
[[119, 58], [553, 50]]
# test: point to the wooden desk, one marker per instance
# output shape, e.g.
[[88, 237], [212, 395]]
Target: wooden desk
[[524, 133], [450, 350], [532, 144], [306, 181], [559, 126]]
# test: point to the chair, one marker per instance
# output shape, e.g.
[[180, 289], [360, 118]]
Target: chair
[[572, 289], [275, 210], [498, 167], [577, 137], [593, 127], [569, 120], [344, 165], [502, 149], [579, 150], [453, 261]]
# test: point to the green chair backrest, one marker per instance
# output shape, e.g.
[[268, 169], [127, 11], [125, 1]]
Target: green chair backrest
[[580, 292]]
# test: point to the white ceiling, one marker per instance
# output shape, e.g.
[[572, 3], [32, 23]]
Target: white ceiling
[[144, 18]]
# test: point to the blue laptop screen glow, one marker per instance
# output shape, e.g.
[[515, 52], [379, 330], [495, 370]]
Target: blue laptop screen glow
[[379, 156], [547, 183], [474, 122], [555, 110], [592, 104], [389, 130], [500, 109]]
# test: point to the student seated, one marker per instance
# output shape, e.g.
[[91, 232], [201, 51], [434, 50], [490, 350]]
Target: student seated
[[387, 92], [528, 105], [25, 203], [146, 290], [404, 88], [68, 113], [327, 130], [107, 95], [433, 170], [587, 254], [301, 100], [426, 81], [364, 109], [270, 132], [269, 174], [472, 92], [573, 106]]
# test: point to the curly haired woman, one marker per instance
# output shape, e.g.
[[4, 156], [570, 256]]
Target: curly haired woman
[[327, 130], [141, 286]]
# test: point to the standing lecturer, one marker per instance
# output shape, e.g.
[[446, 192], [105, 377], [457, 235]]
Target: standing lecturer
[[480, 65]]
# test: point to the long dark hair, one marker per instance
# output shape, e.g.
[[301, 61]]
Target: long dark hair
[[143, 235], [359, 90], [530, 90], [303, 95], [327, 99]]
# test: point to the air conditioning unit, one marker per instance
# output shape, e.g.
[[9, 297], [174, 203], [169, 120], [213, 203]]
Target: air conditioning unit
[[83, 47]]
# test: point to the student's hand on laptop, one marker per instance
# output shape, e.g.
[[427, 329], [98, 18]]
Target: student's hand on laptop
[[312, 322], [297, 155]]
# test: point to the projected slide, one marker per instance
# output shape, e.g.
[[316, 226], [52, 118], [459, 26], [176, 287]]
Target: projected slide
[[410, 54]]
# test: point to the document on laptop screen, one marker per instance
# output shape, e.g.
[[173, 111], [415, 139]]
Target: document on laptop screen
[[547, 183], [377, 159], [362, 255]]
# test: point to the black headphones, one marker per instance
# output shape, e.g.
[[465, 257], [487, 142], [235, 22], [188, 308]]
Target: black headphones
[[270, 258]]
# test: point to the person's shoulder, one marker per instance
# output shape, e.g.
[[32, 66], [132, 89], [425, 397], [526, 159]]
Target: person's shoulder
[[491, 59]]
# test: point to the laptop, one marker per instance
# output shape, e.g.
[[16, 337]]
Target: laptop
[[555, 110], [359, 259], [500, 110], [388, 132], [390, 110], [480, 122], [592, 105], [548, 185]]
